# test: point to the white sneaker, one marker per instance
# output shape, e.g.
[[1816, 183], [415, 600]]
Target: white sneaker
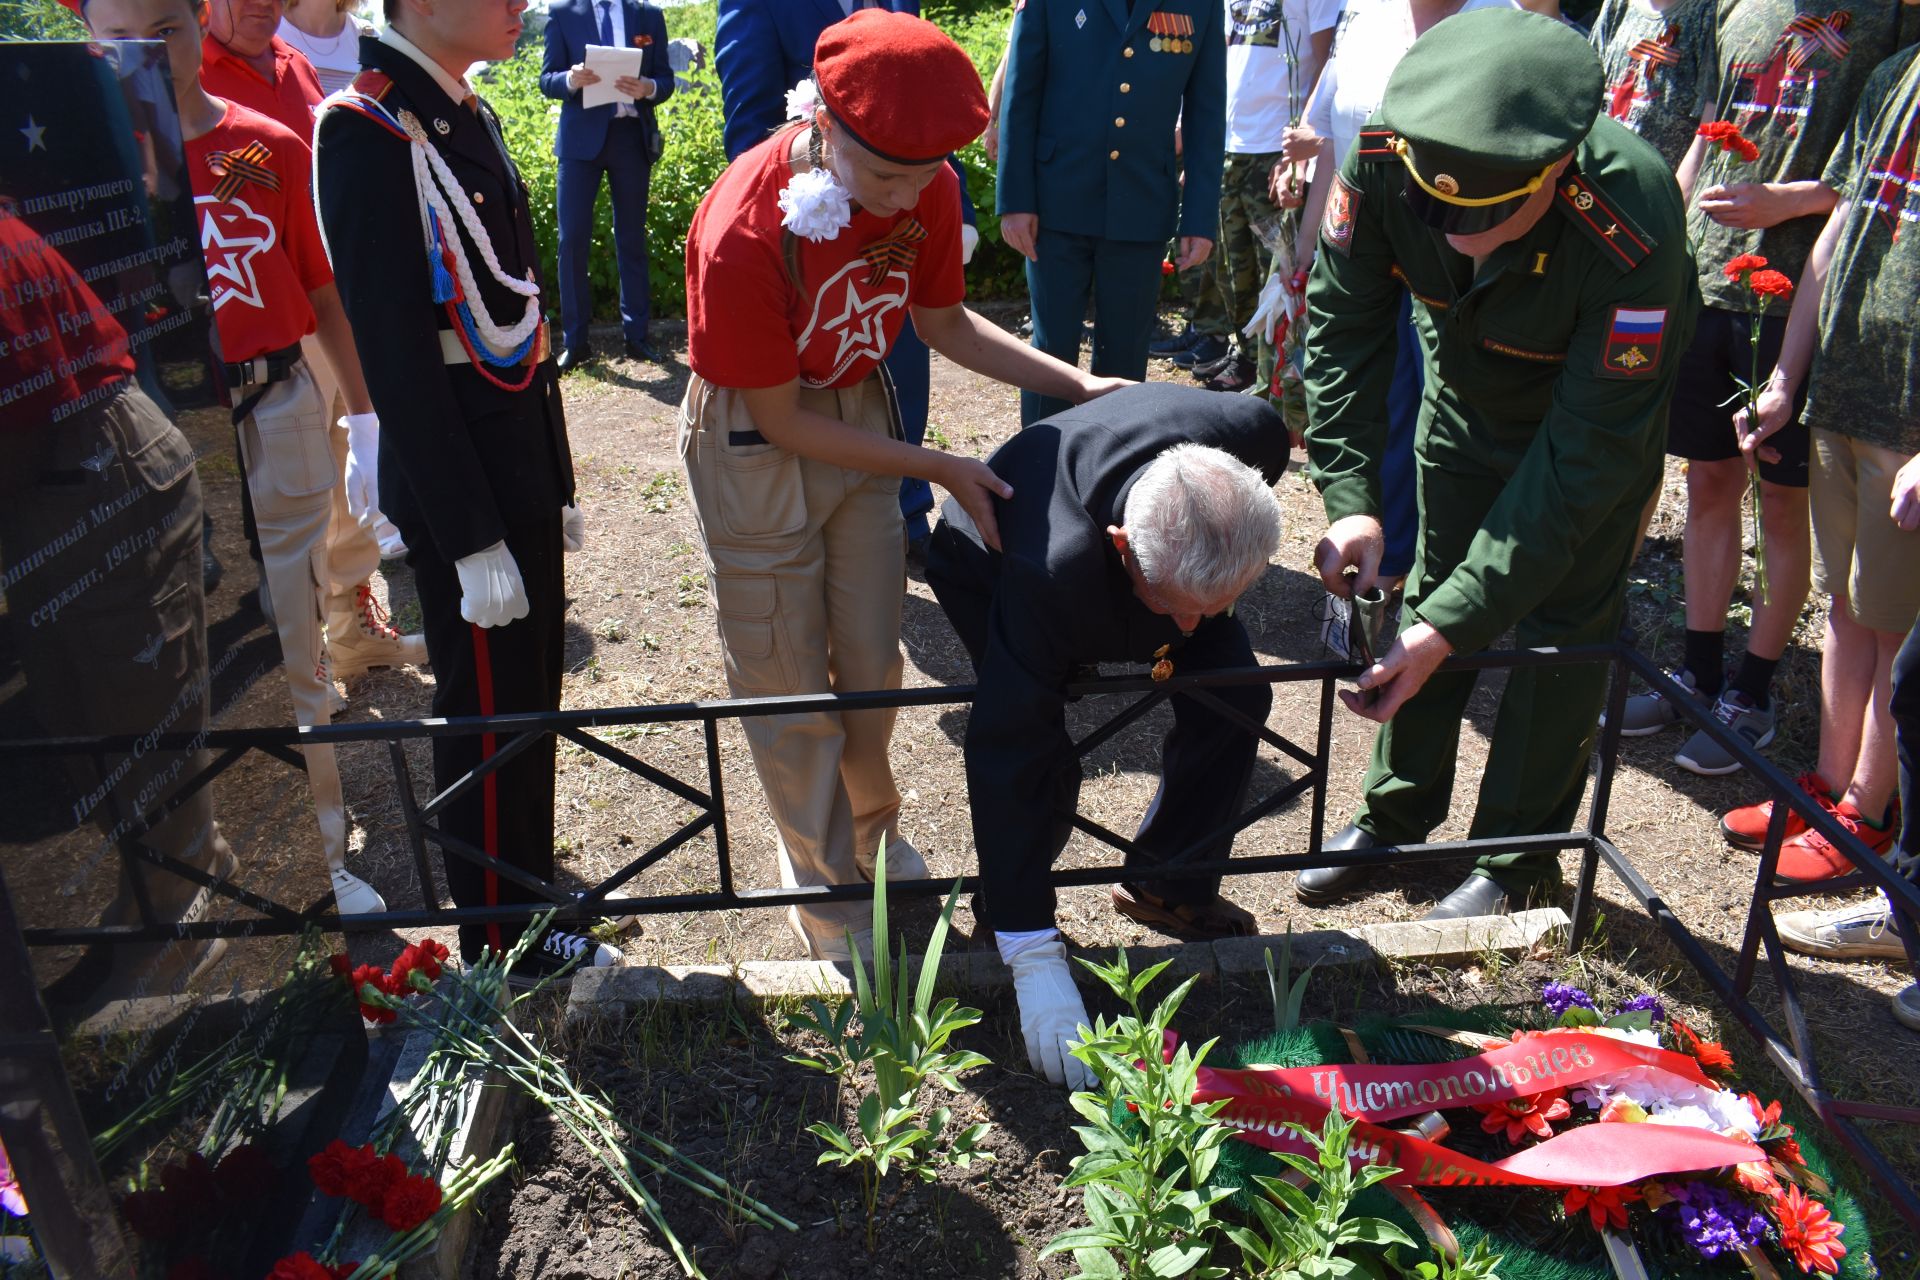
[[354, 896], [360, 636], [1906, 1007], [559, 947], [1859, 930]]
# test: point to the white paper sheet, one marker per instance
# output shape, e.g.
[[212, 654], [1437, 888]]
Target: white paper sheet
[[609, 63]]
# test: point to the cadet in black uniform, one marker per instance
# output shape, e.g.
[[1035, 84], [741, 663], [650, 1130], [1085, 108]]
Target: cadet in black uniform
[[426, 222]]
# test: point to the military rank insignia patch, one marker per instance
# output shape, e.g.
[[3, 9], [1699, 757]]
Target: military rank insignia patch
[[1343, 206], [1633, 342]]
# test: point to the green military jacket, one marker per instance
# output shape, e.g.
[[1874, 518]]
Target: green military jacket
[[1550, 368]]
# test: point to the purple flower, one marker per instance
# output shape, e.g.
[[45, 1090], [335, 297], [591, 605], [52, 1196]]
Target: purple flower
[[1560, 997], [1711, 1219], [1649, 1002], [11, 1198]]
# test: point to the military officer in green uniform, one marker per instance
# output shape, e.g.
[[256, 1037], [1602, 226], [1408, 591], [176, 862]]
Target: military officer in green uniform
[[1545, 249], [1090, 188]]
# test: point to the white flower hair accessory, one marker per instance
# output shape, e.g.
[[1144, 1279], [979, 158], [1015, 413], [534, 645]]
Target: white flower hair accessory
[[803, 100], [815, 205]]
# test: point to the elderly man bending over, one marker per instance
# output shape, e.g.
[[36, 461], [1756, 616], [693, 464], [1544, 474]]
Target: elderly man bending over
[[1136, 521]]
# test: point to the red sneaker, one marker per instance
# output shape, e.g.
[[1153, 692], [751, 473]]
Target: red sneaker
[[1810, 856], [1746, 827]]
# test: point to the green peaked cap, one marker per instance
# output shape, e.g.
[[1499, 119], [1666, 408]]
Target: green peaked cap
[[1486, 100]]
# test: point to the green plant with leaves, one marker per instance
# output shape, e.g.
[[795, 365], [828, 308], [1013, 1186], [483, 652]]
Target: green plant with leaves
[[1302, 1235], [905, 1038], [1288, 992], [1476, 1262], [1151, 1149]]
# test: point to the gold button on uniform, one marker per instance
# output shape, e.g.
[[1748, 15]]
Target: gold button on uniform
[[1119, 122], [1125, 87], [1127, 52], [1113, 155], [479, 198]]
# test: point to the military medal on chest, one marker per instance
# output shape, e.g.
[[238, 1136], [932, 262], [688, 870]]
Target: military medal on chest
[[1162, 664], [1172, 32]]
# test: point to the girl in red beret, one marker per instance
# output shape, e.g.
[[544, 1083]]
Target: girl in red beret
[[802, 264]]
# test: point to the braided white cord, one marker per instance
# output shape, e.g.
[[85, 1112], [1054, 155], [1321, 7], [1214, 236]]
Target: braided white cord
[[437, 195]]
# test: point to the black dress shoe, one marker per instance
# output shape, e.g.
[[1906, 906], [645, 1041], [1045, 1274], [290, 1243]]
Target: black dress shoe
[[1476, 896], [644, 350], [1323, 884], [574, 357]]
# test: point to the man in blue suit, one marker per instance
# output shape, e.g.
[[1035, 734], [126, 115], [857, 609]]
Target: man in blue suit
[[619, 140], [1091, 188], [764, 48]]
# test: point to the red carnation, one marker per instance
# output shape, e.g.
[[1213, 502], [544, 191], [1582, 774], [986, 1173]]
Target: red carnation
[[1741, 265], [1808, 1232], [245, 1175], [1166, 268], [1605, 1206], [151, 1215], [300, 1266], [341, 963], [1746, 150], [332, 1168], [372, 975], [410, 1202], [1726, 135], [375, 1178], [1711, 1054], [1770, 284]]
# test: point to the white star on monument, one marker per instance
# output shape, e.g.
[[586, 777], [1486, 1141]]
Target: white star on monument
[[35, 135]]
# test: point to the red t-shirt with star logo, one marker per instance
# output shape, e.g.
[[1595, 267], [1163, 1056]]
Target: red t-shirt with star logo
[[253, 201], [748, 325]]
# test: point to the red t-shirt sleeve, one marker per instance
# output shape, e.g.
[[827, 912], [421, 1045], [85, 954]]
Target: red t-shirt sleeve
[[304, 246], [940, 278]]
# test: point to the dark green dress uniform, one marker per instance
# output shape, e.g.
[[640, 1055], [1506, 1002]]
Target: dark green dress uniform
[[1549, 369], [1094, 89]]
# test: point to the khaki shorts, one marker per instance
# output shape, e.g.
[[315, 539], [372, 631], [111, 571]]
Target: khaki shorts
[[1858, 550]]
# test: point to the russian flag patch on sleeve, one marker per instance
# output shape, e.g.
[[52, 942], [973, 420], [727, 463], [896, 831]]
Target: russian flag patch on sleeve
[[1633, 342]]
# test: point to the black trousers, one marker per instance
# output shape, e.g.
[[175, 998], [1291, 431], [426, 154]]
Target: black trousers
[[1206, 760], [491, 671], [1905, 708]]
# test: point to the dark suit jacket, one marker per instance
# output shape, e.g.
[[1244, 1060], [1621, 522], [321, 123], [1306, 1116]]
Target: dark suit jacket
[[1063, 598], [762, 49], [460, 459], [572, 25]]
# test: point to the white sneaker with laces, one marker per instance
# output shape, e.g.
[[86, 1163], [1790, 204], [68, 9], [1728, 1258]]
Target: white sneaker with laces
[[354, 896], [1859, 930], [564, 948]]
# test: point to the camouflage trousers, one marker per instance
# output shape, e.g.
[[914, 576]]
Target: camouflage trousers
[[1247, 215]]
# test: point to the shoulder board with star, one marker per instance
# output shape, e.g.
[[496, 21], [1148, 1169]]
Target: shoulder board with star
[[1375, 144], [1621, 240]]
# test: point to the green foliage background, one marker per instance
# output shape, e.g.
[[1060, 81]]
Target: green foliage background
[[690, 123]]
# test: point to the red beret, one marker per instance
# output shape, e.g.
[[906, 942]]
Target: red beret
[[900, 86]]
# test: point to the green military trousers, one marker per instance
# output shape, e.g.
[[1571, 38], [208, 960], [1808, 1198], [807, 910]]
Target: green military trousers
[[1543, 735]]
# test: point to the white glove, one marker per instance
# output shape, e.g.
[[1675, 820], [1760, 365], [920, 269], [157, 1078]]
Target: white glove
[[969, 241], [1050, 1013], [363, 467], [573, 528], [1270, 308], [391, 545], [491, 593]]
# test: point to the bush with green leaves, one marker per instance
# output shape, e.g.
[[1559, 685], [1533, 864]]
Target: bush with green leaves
[[904, 1037], [1310, 1235], [1150, 1147]]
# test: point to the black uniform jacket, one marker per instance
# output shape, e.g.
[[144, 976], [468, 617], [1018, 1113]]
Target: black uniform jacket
[[461, 460], [1063, 597]]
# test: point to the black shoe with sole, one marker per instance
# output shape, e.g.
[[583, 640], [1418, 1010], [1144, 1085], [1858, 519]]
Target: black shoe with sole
[[1476, 896], [1207, 350], [644, 350], [1316, 885], [574, 358], [1237, 375]]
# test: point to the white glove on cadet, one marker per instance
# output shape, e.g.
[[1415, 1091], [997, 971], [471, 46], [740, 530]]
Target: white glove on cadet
[[1272, 305], [573, 528], [969, 241], [1050, 1012], [491, 592], [363, 467]]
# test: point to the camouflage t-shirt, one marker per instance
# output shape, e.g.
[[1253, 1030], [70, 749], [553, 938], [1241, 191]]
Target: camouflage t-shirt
[[1792, 71], [1865, 381], [1661, 68]]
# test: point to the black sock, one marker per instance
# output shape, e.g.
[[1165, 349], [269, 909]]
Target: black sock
[[1705, 661], [1754, 676]]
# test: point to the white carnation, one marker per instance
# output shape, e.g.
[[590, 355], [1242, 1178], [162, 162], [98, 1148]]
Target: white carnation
[[803, 100], [815, 205]]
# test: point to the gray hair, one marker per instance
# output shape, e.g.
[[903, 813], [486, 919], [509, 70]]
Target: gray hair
[[1201, 522]]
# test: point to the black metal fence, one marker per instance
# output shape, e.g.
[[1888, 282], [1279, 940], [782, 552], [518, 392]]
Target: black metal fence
[[1791, 1049]]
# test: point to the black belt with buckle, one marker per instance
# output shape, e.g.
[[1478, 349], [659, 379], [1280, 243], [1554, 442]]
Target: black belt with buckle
[[274, 366]]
